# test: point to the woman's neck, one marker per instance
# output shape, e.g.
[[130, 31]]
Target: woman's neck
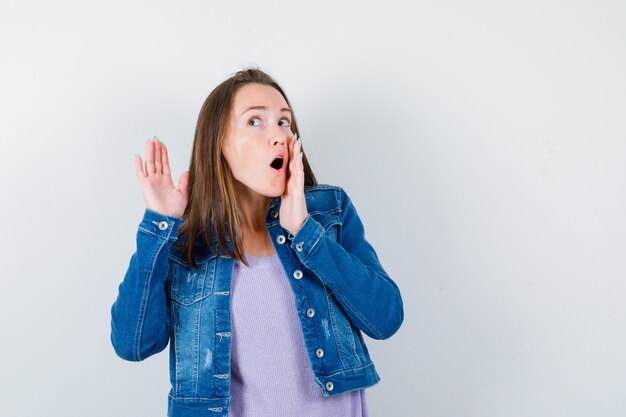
[[253, 207]]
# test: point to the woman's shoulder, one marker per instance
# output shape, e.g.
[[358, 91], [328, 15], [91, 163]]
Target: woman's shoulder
[[324, 198], [323, 187]]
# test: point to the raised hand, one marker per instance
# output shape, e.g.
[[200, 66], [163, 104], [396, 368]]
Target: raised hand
[[293, 210], [156, 183]]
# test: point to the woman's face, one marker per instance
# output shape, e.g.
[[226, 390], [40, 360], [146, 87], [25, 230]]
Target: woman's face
[[258, 132]]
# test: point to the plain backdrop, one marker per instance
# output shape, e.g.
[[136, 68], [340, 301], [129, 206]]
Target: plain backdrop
[[482, 142]]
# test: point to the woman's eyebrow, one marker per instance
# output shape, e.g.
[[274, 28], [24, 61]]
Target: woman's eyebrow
[[284, 109]]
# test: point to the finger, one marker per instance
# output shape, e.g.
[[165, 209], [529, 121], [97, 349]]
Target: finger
[[300, 164], [150, 157], [139, 167], [296, 155], [291, 158], [157, 157], [292, 150], [165, 160], [289, 169], [183, 184]]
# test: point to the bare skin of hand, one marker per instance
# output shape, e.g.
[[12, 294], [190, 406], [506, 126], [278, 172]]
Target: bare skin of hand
[[156, 183], [293, 211]]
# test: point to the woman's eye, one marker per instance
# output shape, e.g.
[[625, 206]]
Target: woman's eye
[[256, 121]]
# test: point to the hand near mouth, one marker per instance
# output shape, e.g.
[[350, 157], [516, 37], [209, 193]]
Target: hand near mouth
[[293, 211]]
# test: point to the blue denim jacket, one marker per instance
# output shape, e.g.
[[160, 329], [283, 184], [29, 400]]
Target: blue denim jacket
[[334, 272]]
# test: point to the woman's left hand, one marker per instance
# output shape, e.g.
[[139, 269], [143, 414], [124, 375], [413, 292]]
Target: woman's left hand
[[293, 211]]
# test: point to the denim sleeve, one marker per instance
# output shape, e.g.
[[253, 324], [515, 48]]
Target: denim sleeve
[[140, 320], [351, 269]]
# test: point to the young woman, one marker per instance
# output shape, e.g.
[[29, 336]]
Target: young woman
[[260, 279]]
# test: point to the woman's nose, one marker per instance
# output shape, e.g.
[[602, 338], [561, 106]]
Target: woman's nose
[[279, 138]]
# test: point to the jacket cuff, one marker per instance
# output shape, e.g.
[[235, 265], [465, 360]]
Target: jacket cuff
[[156, 224], [307, 238]]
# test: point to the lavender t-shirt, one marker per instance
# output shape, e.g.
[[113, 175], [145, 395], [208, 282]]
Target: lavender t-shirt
[[271, 375]]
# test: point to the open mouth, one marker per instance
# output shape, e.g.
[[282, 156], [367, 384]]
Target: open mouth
[[277, 163]]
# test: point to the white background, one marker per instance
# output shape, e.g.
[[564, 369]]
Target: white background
[[483, 144]]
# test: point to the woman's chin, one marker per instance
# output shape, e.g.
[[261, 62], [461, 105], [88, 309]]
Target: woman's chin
[[273, 189], [277, 191]]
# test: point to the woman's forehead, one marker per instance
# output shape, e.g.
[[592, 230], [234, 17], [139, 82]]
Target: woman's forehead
[[258, 95]]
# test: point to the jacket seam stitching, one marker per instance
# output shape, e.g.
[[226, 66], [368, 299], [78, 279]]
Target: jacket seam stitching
[[198, 311], [359, 315], [370, 364], [314, 246], [144, 300], [308, 301], [333, 326]]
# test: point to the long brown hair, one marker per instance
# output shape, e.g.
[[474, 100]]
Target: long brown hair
[[213, 207]]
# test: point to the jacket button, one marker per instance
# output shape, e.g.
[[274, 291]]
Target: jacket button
[[310, 312], [319, 353], [280, 239], [274, 213], [299, 246], [163, 225], [330, 386], [297, 274]]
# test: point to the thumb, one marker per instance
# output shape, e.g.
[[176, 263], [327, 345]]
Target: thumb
[[183, 184]]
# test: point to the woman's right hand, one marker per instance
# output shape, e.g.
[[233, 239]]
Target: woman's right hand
[[156, 183]]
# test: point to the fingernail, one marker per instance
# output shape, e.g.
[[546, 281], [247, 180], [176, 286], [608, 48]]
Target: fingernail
[[300, 154], [295, 137]]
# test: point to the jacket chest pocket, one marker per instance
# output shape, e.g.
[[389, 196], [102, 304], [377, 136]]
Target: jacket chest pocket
[[188, 286]]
